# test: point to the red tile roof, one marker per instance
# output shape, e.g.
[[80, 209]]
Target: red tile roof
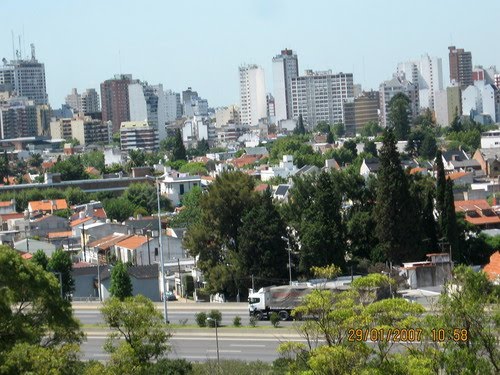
[[76, 222], [261, 187], [244, 160], [477, 212], [133, 242], [64, 234], [492, 269], [417, 170], [27, 256], [100, 213], [5, 204], [106, 242], [46, 205], [13, 215], [456, 175]]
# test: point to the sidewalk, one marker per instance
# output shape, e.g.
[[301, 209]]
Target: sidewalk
[[180, 304]]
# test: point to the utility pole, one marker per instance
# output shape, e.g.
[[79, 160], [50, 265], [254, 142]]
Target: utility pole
[[162, 263], [98, 277], [253, 285], [180, 278], [83, 242], [149, 250]]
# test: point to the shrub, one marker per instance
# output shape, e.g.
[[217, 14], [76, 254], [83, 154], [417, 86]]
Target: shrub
[[253, 321], [201, 319], [216, 316], [237, 321], [275, 319]]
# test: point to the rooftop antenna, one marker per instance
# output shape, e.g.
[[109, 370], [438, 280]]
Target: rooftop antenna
[[13, 49], [24, 45], [20, 48], [33, 57]]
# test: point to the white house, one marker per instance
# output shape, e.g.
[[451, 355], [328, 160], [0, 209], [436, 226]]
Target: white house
[[175, 185], [285, 169]]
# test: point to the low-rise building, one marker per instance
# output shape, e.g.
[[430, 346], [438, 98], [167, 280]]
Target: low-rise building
[[47, 206], [175, 185], [478, 212], [285, 169], [138, 135]]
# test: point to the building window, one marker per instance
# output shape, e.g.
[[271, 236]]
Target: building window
[[181, 189]]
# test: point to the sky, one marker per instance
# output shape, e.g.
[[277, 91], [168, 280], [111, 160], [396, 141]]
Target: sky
[[201, 43]]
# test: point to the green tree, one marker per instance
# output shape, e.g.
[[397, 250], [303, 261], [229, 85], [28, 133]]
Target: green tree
[[75, 195], [314, 210], [191, 209], [94, 159], [262, 251], [137, 158], [194, 168], [329, 137], [338, 129], [31, 307], [299, 128], [440, 183], [429, 147], [119, 209], [202, 147], [393, 211], [144, 195], [41, 259], [70, 169], [121, 284], [371, 148], [215, 237], [371, 129], [322, 127], [140, 326], [36, 160], [399, 120], [60, 263], [471, 304], [448, 221], [178, 149]]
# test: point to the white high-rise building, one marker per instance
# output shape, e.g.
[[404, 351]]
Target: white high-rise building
[[25, 78], [480, 99], [320, 96], [285, 67], [427, 74], [90, 101], [147, 103], [252, 94], [173, 104]]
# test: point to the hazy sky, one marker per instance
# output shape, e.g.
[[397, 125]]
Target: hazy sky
[[201, 43]]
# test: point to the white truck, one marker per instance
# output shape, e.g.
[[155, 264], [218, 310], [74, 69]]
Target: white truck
[[283, 299]]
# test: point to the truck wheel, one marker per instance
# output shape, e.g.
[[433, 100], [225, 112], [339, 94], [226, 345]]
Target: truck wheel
[[284, 315], [259, 315]]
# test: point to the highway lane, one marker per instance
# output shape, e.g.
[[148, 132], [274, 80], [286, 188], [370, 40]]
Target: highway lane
[[178, 313], [201, 345]]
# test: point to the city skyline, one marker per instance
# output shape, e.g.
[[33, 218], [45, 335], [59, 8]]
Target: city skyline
[[171, 50]]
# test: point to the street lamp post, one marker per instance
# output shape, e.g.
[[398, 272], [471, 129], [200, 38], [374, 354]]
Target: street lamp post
[[216, 339], [162, 263], [289, 258]]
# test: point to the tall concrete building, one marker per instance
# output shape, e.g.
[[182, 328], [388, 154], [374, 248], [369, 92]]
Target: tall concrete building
[[193, 104], [427, 74], [115, 100], [360, 111], [25, 78], [460, 66], [74, 100], [90, 102], [253, 103], [388, 89], [18, 118], [138, 135], [285, 67], [174, 106], [454, 98], [147, 102], [320, 96], [227, 115]]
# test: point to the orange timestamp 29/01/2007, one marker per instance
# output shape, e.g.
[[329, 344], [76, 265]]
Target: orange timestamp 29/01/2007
[[406, 335]]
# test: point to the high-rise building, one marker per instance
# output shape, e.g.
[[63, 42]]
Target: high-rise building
[[25, 78], [271, 108], [227, 115], [454, 99], [253, 104], [147, 102], [366, 109], [138, 135], [320, 96], [115, 101], [43, 117], [460, 66], [192, 104], [74, 100], [174, 105], [17, 118], [388, 89], [90, 102], [285, 67], [480, 99], [427, 74]]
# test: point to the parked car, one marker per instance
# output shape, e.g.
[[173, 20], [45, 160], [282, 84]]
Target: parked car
[[170, 296]]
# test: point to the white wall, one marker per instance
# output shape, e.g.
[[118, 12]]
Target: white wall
[[279, 89]]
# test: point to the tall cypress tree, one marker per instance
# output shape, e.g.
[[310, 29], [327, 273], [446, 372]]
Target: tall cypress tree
[[121, 284], [448, 221], [394, 213], [441, 182], [428, 222], [299, 128], [178, 151]]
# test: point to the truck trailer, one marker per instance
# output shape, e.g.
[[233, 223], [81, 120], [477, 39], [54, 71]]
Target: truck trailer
[[283, 299]]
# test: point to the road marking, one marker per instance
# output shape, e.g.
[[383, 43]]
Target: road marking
[[248, 345], [223, 351]]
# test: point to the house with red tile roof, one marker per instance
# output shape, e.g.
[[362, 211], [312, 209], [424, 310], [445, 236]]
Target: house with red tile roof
[[478, 212], [492, 269], [47, 205], [8, 207], [135, 250]]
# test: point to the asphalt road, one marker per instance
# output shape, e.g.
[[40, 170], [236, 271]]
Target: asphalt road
[[201, 345], [178, 312]]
